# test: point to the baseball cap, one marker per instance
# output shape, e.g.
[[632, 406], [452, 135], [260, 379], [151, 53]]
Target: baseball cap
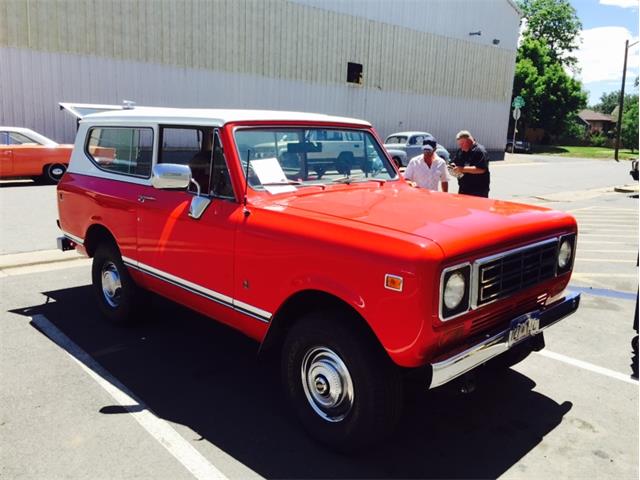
[[427, 148]]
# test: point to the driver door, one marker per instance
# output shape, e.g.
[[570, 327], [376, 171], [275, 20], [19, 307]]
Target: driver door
[[196, 255]]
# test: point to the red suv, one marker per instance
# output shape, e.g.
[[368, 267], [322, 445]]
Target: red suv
[[314, 246]]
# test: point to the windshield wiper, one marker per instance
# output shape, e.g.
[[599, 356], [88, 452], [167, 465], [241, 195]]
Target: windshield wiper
[[349, 180], [290, 182], [295, 183]]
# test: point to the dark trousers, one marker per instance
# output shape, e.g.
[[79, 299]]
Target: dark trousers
[[475, 193]]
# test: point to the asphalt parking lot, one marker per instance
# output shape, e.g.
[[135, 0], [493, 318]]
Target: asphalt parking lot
[[180, 396]]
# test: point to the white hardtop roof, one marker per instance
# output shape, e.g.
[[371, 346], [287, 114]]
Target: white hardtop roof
[[213, 117]]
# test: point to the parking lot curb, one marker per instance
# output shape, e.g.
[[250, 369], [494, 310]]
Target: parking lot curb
[[633, 188], [25, 259]]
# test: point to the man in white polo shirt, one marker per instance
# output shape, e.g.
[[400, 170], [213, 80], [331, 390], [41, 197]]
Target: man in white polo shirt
[[426, 170]]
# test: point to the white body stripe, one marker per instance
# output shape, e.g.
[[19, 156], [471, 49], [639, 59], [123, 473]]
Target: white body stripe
[[251, 308], [237, 305], [78, 240]]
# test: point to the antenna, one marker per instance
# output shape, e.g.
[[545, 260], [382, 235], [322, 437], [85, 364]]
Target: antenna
[[245, 210]]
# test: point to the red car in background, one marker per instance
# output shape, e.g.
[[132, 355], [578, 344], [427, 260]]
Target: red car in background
[[25, 153]]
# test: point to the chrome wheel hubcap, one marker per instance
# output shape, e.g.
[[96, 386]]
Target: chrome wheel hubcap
[[56, 172], [111, 284], [327, 384]]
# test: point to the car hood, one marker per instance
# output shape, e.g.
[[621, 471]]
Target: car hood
[[458, 223]]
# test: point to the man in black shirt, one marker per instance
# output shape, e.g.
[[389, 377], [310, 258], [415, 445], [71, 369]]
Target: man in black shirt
[[472, 163]]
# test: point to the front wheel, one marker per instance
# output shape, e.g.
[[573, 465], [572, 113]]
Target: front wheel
[[115, 290], [343, 387], [53, 173]]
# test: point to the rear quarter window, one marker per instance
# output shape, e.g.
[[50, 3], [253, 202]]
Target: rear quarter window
[[123, 150]]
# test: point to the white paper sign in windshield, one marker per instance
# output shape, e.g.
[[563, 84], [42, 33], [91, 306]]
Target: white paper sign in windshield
[[269, 172]]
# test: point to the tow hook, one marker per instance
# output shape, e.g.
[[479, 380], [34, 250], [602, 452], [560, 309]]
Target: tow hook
[[468, 382]]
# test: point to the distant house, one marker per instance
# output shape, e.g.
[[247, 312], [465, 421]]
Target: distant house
[[596, 122]]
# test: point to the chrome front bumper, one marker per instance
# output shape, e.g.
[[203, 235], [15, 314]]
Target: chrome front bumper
[[445, 370]]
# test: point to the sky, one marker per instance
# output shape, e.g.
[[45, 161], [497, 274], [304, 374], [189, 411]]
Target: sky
[[606, 24]]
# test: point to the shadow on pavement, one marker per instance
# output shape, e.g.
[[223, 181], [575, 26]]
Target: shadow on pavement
[[196, 372]]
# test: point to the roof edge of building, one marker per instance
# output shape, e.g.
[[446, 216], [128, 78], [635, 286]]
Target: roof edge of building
[[515, 7]]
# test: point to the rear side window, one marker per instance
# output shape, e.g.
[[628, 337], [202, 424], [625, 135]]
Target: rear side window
[[15, 138], [124, 150]]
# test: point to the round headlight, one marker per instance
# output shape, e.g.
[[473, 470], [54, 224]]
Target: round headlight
[[564, 254], [454, 290]]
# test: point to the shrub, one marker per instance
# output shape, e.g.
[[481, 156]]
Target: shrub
[[598, 140]]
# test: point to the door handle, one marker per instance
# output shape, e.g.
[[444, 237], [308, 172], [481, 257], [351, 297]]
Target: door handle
[[143, 198]]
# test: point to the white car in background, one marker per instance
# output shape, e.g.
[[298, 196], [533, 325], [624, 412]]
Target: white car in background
[[403, 146]]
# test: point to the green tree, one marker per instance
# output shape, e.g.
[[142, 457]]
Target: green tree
[[552, 96], [610, 100], [629, 132], [556, 24]]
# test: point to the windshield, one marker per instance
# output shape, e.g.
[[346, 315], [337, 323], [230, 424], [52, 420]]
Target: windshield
[[396, 139], [285, 159]]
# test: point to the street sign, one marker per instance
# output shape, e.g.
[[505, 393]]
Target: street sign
[[518, 102], [516, 114]]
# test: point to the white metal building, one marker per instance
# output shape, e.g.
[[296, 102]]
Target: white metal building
[[424, 65]]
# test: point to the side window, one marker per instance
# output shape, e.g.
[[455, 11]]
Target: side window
[[3, 138], [124, 150], [16, 138], [221, 180], [190, 146]]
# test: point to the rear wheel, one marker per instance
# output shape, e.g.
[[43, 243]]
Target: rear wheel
[[398, 162], [345, 391], [115, 290], [54, 172]]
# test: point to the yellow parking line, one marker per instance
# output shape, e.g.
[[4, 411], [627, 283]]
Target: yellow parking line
[[605, 260], [494, 165], [602, 209], [608, 235], [602, 242], [634, 226], [605, 251], [600, 274], [580, 209]]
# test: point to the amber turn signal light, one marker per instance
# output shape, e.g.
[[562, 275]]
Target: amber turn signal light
[[393, 282]]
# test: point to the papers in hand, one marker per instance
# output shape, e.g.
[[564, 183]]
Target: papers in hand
[[269, 171]]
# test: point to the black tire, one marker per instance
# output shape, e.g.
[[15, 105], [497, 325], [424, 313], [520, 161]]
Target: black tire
[[398, 162], [376, 383], [119, 307], [53, 173]]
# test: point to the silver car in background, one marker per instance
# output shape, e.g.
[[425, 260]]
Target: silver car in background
[[403, 146]]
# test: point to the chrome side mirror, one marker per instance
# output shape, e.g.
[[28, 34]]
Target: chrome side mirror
[[175, 176], [170, 175], [198, 203]]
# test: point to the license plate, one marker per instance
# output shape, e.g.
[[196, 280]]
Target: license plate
[[522, 328]]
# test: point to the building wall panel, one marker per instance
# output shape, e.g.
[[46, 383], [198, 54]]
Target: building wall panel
[[55, 77], [421, 68]]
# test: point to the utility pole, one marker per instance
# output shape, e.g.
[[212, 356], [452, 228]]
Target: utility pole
[[621, 103]]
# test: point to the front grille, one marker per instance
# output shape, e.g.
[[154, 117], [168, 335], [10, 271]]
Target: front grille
[[510, 273]]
